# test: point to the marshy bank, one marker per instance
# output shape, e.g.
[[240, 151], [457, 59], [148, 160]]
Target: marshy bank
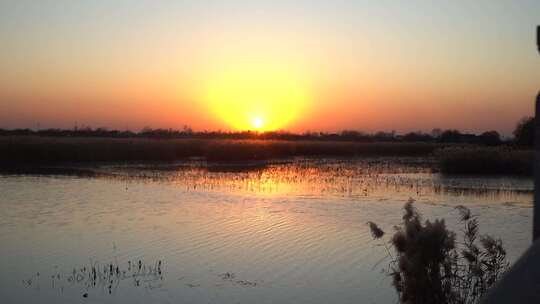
[[62, 149], [485, 161], [33, 154]]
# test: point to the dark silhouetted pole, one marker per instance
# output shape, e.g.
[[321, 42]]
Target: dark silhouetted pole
[[536, 212]]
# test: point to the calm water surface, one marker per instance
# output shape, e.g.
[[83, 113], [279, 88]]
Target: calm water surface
[[289, 232]]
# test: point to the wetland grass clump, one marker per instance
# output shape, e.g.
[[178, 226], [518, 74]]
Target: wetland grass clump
[[245, 150], [38, 149], [240, 150], [485, 160], [105, 277], [431, 264]]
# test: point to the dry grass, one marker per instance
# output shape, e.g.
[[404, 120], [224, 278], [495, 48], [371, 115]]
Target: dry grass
[[452, 159], [66, 149], [485, 160], [430, 265]]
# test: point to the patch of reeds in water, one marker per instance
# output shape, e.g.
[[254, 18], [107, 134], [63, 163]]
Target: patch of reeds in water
[[485, 160], [65, 149], [102, 277]]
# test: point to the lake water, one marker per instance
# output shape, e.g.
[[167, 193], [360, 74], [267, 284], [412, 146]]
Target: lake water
[[283, 232]]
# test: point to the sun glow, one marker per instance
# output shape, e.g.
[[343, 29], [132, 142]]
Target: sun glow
[[258, 96], [257, 123]]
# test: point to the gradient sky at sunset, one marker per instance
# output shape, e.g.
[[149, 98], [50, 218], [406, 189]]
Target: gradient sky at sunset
[[297, 65]]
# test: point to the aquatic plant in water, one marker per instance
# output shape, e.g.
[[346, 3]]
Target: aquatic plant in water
[[430, 265], [106, 276]]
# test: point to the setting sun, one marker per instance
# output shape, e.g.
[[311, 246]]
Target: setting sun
[[257, 123], [257, 95]]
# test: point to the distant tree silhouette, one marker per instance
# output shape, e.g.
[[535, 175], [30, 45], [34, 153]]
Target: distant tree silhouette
[[524, 132], [436, 133], [450, 136], [354, 135], [417, 136], [490, 138], [385, 136]]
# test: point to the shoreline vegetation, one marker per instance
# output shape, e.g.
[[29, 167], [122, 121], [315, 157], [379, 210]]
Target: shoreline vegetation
[[38, 149], [431, 264], [500, 160], [32, 154]]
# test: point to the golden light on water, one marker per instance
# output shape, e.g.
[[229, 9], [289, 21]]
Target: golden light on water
[[257, 96]]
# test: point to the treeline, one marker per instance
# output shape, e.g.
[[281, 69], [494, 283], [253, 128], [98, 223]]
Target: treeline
[[523, 135]]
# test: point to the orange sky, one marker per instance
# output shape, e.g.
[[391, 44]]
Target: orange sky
[[307, 65]]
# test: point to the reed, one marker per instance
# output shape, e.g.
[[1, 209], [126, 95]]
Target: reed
[[36, 149], [430, 264], [485, 160]]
